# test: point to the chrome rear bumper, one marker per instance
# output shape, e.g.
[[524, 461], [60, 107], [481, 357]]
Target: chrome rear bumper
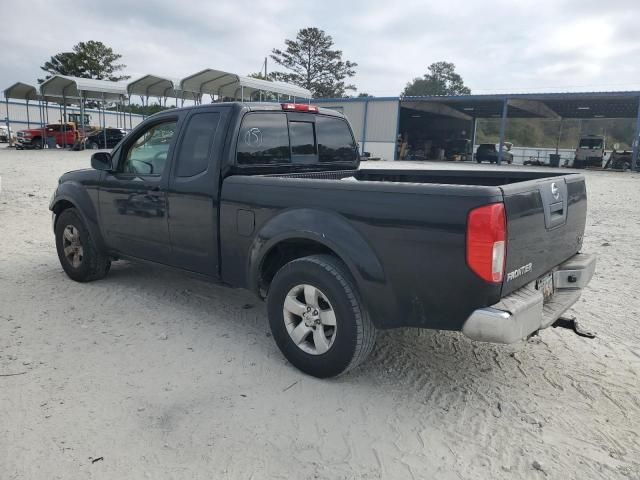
[[523, 312]]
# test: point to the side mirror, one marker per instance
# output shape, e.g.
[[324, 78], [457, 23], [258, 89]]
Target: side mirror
[[101, 161]]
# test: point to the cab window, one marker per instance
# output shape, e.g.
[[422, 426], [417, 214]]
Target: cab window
[[195, 149], [335, 142], [147, 155], [263, 139]]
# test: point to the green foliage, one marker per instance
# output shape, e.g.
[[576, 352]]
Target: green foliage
[[442, 79], [90, 59], [544, 133], [145, 110], [313, 64]]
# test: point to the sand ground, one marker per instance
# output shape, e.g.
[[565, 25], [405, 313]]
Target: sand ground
[[153, 374]]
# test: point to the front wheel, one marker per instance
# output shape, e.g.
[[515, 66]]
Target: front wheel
[[316, 317], [79, 256]]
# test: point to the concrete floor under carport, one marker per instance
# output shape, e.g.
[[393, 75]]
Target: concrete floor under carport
[[446, 118]]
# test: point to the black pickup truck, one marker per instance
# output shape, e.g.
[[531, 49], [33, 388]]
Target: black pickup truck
[[270, 198]]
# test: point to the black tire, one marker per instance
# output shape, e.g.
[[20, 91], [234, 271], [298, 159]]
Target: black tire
[[92, 145], [93, 263], [354, 335]]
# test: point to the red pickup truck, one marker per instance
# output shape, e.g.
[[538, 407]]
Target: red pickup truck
[[65, 134]]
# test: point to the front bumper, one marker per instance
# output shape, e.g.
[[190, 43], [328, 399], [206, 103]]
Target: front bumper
[[523, 312]]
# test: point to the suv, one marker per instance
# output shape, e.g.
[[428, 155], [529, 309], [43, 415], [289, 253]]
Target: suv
[[96, 139], [487, 152]]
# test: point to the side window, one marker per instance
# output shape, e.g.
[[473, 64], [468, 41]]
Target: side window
[[148, 153], [195, 150], [263, 139], [335, 143]]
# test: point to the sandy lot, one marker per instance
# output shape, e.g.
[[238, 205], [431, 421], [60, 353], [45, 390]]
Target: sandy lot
[[153, 374]]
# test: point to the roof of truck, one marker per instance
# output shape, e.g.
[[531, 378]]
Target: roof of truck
[[257, 107]]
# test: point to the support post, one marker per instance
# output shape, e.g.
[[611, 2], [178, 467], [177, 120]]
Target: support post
[[130, 119], [82, 132], [64, 122], [636, 142], [104, 117], [41, 112], [503, 127], [364, 127], [6, 119], [28, 119], [242, 93], [474, 132]]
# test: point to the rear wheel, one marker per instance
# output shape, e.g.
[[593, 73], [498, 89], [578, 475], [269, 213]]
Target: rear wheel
[[91, 145], [316, 317], [79, 256]]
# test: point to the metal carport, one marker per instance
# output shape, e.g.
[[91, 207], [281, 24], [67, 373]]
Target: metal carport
[[160, 87], [231, 85], [85, 89]]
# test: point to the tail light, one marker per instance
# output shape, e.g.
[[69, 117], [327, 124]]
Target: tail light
[[486, 242], [299, 107]]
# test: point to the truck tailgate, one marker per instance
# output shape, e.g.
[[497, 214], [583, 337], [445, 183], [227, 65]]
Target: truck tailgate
[[545, 226]]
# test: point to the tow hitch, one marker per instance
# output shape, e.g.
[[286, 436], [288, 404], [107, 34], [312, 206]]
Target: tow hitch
[[572, 324]]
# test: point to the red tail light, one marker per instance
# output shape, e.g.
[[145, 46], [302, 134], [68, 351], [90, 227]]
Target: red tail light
[[299, 107], [486, 242]]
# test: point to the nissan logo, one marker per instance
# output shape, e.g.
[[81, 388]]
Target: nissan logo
[[555, 191]]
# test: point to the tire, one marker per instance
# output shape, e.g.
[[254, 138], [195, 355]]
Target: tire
[[352, 338], [36, 143], [92, 146], [83, 262]]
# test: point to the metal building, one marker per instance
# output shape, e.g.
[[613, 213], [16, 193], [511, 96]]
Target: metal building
[[378, 122]]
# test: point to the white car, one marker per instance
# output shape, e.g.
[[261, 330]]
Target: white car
[[4, 133]]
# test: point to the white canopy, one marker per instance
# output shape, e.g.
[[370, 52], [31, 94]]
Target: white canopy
[[161, 87], [75, 87], [225, 84]]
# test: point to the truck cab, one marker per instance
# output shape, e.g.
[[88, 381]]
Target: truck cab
[[271, 198], [590, 151], [63, 134]]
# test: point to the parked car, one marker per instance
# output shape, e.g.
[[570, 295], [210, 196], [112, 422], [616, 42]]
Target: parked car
[[5, 134], [488, 152], [271, 198], [63, 134], [96, 138]]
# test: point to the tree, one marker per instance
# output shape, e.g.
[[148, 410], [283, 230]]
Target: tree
[[90, 59], [313, 64], [442, 79]]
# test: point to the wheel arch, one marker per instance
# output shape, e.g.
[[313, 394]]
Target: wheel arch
[[74, 196], [298, 233]]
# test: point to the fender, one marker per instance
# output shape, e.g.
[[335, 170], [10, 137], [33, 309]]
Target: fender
[[77, 194], [334, 232]]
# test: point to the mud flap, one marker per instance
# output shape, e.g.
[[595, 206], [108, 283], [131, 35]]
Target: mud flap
[[572, 324]]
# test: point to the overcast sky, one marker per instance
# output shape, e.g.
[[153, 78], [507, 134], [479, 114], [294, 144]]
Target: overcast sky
[[497, 45]]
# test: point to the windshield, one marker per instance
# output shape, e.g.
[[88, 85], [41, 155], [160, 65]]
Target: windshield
[[591, 143]]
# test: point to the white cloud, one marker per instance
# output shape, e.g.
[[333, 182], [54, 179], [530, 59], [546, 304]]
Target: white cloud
[[497, 45]]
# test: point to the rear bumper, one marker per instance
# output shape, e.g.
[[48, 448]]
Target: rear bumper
[[523, 312]]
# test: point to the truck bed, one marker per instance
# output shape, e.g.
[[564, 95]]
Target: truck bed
[[413, 222]]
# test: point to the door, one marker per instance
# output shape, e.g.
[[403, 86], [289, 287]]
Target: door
[[193, 191], [133, 198]]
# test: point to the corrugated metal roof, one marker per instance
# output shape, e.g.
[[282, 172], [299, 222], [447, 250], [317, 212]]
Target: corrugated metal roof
[[66, 86], [157, 86], [217, 82]]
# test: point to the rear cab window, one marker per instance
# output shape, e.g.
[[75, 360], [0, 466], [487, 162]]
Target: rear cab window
[[275, 138]]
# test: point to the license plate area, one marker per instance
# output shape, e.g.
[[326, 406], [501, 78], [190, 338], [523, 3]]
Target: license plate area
[[545, 285]]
